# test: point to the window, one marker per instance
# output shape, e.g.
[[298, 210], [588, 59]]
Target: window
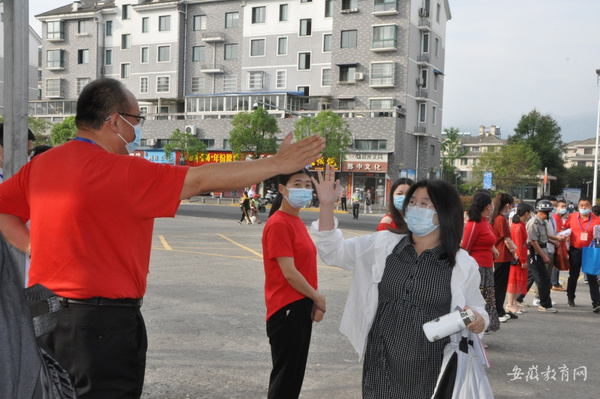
[[327, 43], [437, 47], [369, 145], [258, 14], [347, 73], [349, 4], [346, 104], [304, 61], [281, 79], [125, 71], [581, 163], [349, 38], [283, 12], [81, 82], [384, 36], [464, 162], [198, 84], [328, 8], [145, 25], [232, 19], [305, 27], [108, 57], [230, 83], [425, 43], [143, 85], [55, 59], [282, 46], [326, 77], [587, 151], [381, 103], [435, 81], [226, 145], [83, 27], [231, 51], [438, 11], [53, 88], [384, 5], [199, 22], [305, 1], [422, 112], [424, 78], [433, 115], [199, 53], [145, 56], [305, 90], [164, 53], [257, 48], [162, 84], [210, 143], [83, 56], [126, 14], [125, 42], [55, 30], [382, 74], [164, 23], [255, 80], [108, 28]]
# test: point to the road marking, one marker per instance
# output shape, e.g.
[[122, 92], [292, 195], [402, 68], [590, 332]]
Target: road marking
[[241, 246], [165, 243], [208, 253]]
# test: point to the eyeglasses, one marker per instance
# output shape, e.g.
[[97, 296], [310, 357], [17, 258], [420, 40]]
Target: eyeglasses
[[139, 117], [421, 204]]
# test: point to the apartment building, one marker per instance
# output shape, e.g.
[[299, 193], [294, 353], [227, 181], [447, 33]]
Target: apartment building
[[194, 64], [580, 153]]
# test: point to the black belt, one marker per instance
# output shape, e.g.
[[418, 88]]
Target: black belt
[[99, 301], [541, 244]]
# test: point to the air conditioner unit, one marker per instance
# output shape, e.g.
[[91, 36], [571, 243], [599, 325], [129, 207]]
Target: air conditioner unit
[[420, 82], [191, 129], [422, 12], [359, 76]]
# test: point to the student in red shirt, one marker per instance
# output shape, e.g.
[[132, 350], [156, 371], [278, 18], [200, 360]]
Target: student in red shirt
[[582, 233], [291, 296], [517, 280], [393, 219]]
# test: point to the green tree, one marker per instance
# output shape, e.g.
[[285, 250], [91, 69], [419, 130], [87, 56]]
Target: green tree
[[542, 134], [512, 165], [39, 127], [254, 133], [63, 131], [185, 142], [451, 150], [332, 128], [577, 176]]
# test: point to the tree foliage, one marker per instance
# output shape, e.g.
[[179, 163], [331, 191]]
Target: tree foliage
[[63, 131], [452, 150], [542, 134], [254, 133], [185, 142], [512, 165], [38, 127], [332, 128], [577, 176]]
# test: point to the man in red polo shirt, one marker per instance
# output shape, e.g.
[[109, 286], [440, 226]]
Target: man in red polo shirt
[[582, 233], [92, 209]]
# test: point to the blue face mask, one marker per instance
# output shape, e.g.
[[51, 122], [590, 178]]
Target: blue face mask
[[420, 220], [562, 211], [137, 129], [299, 197], [585, 212], [399, 201]]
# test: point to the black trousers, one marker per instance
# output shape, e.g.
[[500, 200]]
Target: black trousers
[[539, 272], [245, 214], [289, 331], [574, 270], [343, 201], [355, 210], [103, 348], [501, 273]]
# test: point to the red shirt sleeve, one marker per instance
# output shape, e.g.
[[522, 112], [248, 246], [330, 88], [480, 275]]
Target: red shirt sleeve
[[469, 236], [279, 241]]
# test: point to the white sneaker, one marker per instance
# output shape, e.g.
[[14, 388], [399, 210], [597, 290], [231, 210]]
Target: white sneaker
[[547, 310], [504, 319], [536, 302]]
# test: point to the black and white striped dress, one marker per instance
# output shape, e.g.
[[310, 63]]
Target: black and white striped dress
[[399, 360]]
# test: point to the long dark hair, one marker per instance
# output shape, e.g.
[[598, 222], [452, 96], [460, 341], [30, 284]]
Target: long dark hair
[[449, 209], [478, 204], [395, 213], [499, 203], [283, 179], [522, 209]]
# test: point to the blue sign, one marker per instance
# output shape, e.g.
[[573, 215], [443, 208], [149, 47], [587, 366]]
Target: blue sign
[[487, 180]]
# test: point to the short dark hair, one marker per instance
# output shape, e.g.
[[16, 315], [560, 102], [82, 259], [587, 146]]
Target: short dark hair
[[449, 209], [30, 135], [98, 100], [583, 199], [478, 204]]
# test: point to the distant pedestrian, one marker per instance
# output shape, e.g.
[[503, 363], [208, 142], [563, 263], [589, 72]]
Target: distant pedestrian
[[245, 207], [368, 202], [344, 198], [356, 203], [254, 210]]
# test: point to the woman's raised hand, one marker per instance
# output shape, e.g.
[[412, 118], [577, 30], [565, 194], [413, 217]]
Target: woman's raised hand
[[328, 189]]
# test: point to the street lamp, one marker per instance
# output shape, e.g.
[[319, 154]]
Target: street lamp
[[595, 185], [587, 193]]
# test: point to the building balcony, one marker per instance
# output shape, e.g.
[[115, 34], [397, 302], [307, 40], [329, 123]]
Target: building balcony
[[424, 24], [212, 69], [421, 95], [213, 37], [422, 60], [420, 129]]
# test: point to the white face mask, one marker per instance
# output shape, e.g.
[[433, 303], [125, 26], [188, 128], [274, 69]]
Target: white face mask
[[137, 129]]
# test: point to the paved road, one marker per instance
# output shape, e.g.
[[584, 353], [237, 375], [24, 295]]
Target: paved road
[[205, 314]]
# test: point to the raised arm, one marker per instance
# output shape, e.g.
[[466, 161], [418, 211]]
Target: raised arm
[[232, 175], [328, 190]]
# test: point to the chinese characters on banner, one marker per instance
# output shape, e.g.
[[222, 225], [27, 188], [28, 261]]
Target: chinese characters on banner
[[559, 374]]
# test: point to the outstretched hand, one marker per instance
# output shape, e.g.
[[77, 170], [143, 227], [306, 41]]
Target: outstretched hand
[[328, 189], [294, 157]]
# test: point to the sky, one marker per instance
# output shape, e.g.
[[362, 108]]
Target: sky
[[505, 58]]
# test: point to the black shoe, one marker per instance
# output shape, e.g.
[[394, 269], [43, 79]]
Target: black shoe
[[571, 303], [596, 307]]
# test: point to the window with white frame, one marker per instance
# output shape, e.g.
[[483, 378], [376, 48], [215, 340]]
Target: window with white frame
[[283, 12], [257, 48], [425, 43], [382, 74], [145, 25], [259, 14], [126, 41], [282, 45], [305, 90], [81, 83], [435, 81], [303, 61], [384, 36], [255, 80], [438, 11], [199, 22], [326, 77], [422, 113], [433, 115], [231, 51], [328, 8], [55, 59], [125, 70], [305, 27], [199, 53], [55, 30], [232, 19], [164, 23], [53, 88], [347, 73], [381, 103], [164, 53], [145, 55], [126, 14], [162, 84], [83, 56], [327, 43], [198, 84], [384, 5], [424, 75], [108, 57], [83, 27], [346, 104], [349, 38], [144, 85], [281, 79], [230, 83], [437, 47], [108, 28]]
